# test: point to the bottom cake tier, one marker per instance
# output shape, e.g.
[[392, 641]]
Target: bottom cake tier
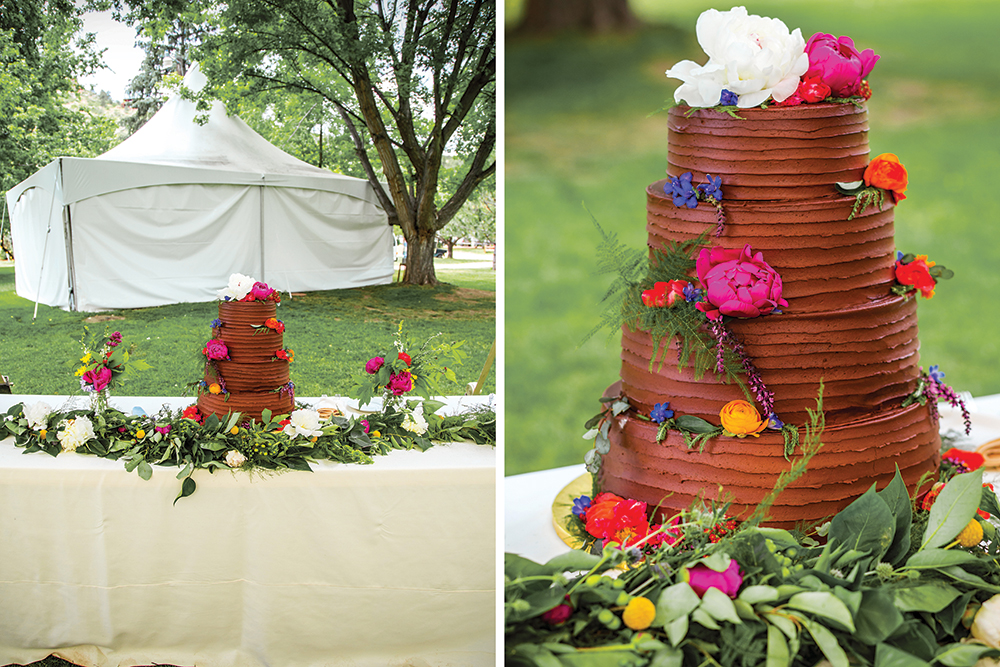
[[669, 477], [251, 404]]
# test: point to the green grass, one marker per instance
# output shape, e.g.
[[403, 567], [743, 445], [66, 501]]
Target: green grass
[[333, 333], [582, 138]]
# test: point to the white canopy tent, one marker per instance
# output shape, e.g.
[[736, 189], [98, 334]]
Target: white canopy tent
[[169, 214]]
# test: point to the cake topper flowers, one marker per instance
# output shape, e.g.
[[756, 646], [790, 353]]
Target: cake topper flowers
[[752, 57], [245, 288], [838, 64], [916, 273]]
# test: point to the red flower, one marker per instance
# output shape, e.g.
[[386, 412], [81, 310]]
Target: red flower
[[405, 357], [968, 460], [931, 496], [216, 349], [286, 355], [665, 293], [917, 274], [612, 517], [275, 324], [191, 412], [812, 89], [888, 173]]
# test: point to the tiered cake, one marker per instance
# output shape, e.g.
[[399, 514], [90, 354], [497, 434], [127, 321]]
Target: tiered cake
[[253, 377], [843, 327]]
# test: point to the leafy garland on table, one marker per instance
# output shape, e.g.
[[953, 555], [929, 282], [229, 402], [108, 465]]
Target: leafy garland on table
[[189, 440], [899, 581]]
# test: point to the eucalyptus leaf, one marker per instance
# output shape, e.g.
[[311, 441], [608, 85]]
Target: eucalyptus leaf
[[960, 655], [954, 507], [777, 648], [702, 617], [758, 593], [572, 561], [676, 601], [866, 525], [719, 606], [782, 622], [877, 617], [937, 558], [145, 470], [677, 630], [827, 642], [694, 424], [850, 188], [890, 656], [932, 597], [188, 486], [897, 497], [825, 604]]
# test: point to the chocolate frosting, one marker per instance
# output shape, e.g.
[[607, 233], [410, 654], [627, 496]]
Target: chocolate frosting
[[254, 379], [843, 328]]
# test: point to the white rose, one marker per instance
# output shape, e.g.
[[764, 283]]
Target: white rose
[[75, 433], [986, 625], [752, 56], [37, 414], [235, 458], [303, 422], [415, 422], [239, 286]]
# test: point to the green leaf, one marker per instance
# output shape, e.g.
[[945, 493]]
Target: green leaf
[[676, 601], [572, 561], [145, 470], [188, 487], [890, 656], [701, 616], [938, 558], [694, 424], [962, 655], [783, 623], [825, 604], [954, 507], [849, 188], [755, 594], [931, 597], [677, 630], [777, 648], [827, 642], [897, 497], [516, 567], [866, 525], [877, 617], [720, 607]]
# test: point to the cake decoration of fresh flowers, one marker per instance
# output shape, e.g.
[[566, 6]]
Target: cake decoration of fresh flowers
[[754, 60], [245, 288]]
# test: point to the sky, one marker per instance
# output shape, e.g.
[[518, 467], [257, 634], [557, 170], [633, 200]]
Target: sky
[[122, 57]]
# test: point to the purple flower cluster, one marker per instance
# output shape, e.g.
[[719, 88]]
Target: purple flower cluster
[[712, 188], [684, 193], [725, 338], [680, 188], [937, 390], [115, 339]]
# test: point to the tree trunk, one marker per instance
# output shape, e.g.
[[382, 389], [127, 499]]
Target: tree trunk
[[450, 241], [548, 16], [420, 260]]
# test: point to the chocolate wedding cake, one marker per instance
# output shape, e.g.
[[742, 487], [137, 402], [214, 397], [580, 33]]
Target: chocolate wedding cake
[[249, 374], [843, 326]]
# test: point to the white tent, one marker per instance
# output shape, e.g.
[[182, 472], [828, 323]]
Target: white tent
[[169, 214]]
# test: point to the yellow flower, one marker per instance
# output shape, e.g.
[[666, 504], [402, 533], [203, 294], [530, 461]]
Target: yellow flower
[[80, 371], [214, 388], [971, 535], [740, 418], [140, 434], [639, 613], [376, 434], [928, 262], [85, 358], [42, 433], [234, 430]]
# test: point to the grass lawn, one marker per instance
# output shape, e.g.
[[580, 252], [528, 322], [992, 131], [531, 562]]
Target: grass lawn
[[582, 138], [333, 334]]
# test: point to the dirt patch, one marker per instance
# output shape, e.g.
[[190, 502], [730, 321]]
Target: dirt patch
[[102, 318], [467, 294]]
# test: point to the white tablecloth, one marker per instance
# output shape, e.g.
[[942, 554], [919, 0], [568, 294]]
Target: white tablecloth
[[385, 564], [528, 529]]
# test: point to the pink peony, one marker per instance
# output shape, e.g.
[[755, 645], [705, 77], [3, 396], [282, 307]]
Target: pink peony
[[558, 614], [216, 349], [400, 383], [98, 378], [373, 365], [260, 292], [701, 578], [838, 64], [737, 283]]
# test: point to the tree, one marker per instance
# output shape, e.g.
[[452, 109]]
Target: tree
[[546, 16], [410, 79], [476, 221]]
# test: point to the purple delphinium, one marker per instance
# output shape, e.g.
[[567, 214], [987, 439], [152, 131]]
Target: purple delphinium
[[691, 293], [728, 98], [712, 187], [680, 188], [661, 412], [580, 506], [935, 374], [774, 423], [216, 323]]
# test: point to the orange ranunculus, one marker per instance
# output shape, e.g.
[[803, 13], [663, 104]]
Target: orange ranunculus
[[740, 418], [886, 172], [215, 388]]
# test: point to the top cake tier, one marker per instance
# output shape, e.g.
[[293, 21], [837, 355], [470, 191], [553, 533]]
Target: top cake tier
[[773, 154]]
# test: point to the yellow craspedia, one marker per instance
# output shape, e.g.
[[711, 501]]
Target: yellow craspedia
[[639, 613], [971, 535], [234, 430], [140, 434], [376, 434]]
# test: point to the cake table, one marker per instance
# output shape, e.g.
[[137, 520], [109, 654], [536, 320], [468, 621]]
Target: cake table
[[390, 563]]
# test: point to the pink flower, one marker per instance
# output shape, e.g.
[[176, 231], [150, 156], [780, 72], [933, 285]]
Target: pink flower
[[162, 429], [558, 614], [98, 378], [400, 383], [373, 365], [737, 283], [260, 292], [838, 64], [701, 578], [216, 349], [364, 423]]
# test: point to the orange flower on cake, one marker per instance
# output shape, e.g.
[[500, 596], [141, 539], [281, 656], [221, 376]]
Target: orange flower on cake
[[886, 172], [741, 419]]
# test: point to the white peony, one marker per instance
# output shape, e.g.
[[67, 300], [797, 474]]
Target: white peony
[[235, 458], [414, 422], [303, 422], [752, 56], [75, 432], [986, 625], [37, 414], [239, 286]]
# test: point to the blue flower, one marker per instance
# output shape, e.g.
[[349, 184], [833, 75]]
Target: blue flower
[[660, 412], [580, 506], [682, 191], [729, 98], [899, 255], [691, 293], [216, 323], [774, 423], [713, 188], [935, 374]]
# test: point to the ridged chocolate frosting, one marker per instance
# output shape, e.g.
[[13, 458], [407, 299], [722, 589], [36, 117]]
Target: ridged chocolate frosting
[[254, 379], [842, 327]]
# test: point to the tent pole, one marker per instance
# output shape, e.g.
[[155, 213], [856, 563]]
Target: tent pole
[[261, 206], [45, 246]]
